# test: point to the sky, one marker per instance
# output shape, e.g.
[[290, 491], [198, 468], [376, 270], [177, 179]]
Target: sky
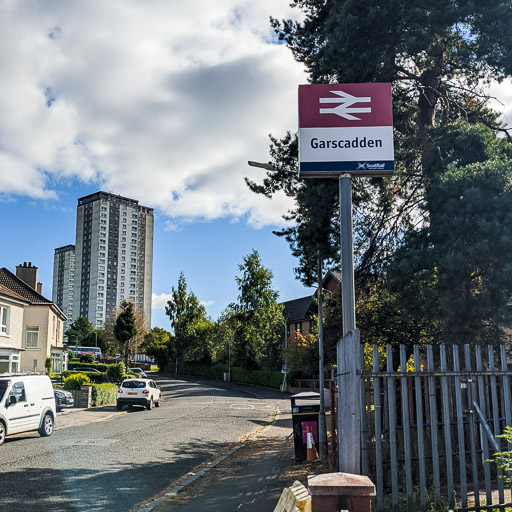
[[159, 101]]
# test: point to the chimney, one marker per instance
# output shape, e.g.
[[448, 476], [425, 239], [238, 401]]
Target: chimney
[[28, 274], [39, 288]]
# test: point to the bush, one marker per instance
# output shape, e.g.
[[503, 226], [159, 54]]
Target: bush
[[116, 372], [87, 358], [48, 366], [93, 376], [76, 381], [266, 378], [104, 394], [97, 366]]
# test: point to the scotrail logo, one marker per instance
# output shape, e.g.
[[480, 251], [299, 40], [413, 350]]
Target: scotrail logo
[[345, 109], [366, 166]]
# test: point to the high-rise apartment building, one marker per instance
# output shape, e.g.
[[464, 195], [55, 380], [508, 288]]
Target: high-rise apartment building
[[113, 257], [63, 280]]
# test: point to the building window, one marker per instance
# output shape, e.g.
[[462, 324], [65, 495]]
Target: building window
[[298, 327], [32, 337], [57, 362], [4, 319]]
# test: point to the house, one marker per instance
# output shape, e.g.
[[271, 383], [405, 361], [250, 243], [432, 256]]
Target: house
[[299, 313], [12, 308], [32, 325]]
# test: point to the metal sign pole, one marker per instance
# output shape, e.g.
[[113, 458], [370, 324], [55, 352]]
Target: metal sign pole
[[348, 348], [322, 431]]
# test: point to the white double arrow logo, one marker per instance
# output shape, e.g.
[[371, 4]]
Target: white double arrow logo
[[344, 109]]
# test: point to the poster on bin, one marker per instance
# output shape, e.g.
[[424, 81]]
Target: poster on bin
[[314, 430], [345, 128]]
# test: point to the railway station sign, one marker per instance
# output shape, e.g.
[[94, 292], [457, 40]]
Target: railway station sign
[[345, 128]]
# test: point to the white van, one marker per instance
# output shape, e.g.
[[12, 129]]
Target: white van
[[27, 403]]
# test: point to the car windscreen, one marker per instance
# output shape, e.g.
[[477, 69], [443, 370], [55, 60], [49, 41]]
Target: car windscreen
[[3, 387], [134, 384]]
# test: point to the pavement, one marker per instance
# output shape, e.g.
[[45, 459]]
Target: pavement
[[250, 476], [75, 417]]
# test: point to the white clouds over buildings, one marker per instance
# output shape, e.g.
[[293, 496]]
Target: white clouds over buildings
[[163, 101]]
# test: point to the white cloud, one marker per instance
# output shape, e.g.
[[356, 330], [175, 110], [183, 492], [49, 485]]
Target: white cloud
[[160, 301], [162, 101]]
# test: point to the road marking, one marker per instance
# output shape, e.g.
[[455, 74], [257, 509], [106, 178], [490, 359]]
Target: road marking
[[90, 442]]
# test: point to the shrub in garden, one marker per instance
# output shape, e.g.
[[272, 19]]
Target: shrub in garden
[[87, 358], [76, 381], [116, 372], [104, 394]]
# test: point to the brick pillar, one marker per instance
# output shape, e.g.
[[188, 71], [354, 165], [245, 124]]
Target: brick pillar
[[333, 492], [85, 397]]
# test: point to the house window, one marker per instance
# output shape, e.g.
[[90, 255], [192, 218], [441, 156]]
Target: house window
[[298, 327], [15, 363], [57, 362], [4, 316], [4, 364], [32, 337]]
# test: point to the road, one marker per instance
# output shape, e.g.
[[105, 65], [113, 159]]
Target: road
[[115, 465]]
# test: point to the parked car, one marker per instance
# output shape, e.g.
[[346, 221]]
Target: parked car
[[27, 403], [139, 371], [138, 392], [63, 399]]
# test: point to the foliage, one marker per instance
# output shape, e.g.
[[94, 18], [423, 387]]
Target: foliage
[[93, 376], [192, 328], [79, 332], [504, 459], [301, 355], [96, 366], [266, 378], [125, 328], [76, 381], [116, 372], [86, 358], [258, 317], [104, 394], [158, 344], [48, 365], [452, 165]]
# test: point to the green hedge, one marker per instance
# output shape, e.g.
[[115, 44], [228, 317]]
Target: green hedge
[[96, 366], [104, 394], [98, 378], [205, 371], [267, 378]]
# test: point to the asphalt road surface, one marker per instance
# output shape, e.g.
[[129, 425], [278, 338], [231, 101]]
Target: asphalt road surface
[[117, 464]]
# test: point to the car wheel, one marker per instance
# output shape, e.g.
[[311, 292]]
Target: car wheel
[[2, 432], [157, 403], [119, 407], [46, 428], [150, 405]]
